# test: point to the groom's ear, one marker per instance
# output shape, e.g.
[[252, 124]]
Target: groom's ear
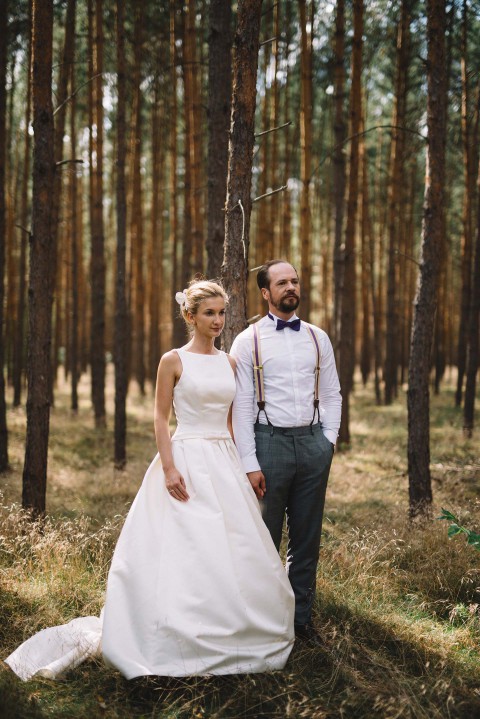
[[265, 293]]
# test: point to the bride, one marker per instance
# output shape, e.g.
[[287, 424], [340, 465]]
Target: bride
[[196, 586]]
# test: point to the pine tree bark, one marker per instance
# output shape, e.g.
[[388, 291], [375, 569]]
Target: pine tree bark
[[420, 490], [177, 249], [121, 310], [3, 117], [346, 344], [286, 213], [473, 338], [468, 194], [395, 218], [219, 104], [242, 138], [306, 115], [60, 119], [97, 262], [194, 109], [19, 340], [74, 253], [41, 259], [136, 225], [339, 174], [365, 225]]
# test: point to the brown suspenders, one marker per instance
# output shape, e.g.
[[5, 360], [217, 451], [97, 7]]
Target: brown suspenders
[[258, 373]]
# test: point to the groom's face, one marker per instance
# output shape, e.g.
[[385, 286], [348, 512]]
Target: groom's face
[[283, 294]]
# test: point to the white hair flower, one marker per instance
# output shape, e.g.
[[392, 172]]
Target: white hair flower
[[180, 298]]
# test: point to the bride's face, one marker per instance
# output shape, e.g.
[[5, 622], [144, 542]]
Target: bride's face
[[210, 317]]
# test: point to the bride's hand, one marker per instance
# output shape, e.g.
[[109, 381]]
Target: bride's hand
[[176, 485]]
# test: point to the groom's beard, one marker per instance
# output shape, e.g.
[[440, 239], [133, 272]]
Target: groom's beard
[[287, 304]]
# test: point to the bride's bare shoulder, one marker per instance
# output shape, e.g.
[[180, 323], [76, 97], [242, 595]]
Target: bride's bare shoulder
[[170, 361]]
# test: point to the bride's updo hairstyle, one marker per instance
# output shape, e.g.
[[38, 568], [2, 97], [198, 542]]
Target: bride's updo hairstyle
[[196, 292]]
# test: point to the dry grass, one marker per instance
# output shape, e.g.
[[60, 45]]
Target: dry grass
[[398, 604]]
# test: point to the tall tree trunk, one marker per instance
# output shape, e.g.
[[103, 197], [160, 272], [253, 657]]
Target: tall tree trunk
[[240, 157], [178, 327], [339, 133], [306, 114], [97, 262], [41, 259], [286, 213], [473, 338], [60, 118], [348, 302], [137, 232], [366, 266], [121, 310], [468, 194], [219, 95], [420, 490], [263, 238], [272, 210], [395, 191], [156, 239], [19, 341], [193, 125], [74, 254], [3, 117]]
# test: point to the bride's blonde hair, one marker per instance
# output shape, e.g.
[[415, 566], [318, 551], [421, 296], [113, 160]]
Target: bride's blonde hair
[[196, 292]]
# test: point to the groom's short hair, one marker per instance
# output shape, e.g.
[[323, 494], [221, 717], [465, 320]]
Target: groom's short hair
[[263, 278]]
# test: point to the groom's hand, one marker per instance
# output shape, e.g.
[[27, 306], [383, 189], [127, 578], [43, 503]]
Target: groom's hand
[[257, 480]]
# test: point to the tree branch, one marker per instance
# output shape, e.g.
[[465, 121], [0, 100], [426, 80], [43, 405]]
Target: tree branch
[[273, 129]]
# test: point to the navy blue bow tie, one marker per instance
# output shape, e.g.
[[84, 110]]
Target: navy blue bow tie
[[281, 324]]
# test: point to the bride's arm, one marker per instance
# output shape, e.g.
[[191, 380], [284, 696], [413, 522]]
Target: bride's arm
[[169, 371]]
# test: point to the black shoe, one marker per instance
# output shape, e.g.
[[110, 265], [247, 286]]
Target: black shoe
[[308, 634]]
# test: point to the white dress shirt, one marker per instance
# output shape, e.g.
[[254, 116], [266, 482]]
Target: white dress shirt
[[289, 360]]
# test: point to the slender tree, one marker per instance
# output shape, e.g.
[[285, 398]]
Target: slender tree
[[348, 310], [395, 195], [97, 261], [306, 115], [468, 194], [3, 107], [420, 491], [473, 335], [219, 94], [60, 119], [41, 251], [136, 223], [178, 326], [74, 253], [121, 310], [240, 156], [339, 159]]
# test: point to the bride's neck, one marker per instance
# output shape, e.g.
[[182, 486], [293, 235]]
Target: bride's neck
[[202, 345]]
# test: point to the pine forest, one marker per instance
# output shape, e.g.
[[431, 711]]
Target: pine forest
[[144, 144]]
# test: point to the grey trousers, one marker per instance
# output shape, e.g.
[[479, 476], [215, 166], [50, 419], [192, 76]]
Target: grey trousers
[[296, 464]]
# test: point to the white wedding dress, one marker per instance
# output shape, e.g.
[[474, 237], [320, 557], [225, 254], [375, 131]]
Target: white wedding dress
[[195, 587]]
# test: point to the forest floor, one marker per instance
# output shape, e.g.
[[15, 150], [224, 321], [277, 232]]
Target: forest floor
[[398, 603]]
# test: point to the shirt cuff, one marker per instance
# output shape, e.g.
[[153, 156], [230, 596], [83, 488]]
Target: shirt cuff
[[250, 463], [330, 435]]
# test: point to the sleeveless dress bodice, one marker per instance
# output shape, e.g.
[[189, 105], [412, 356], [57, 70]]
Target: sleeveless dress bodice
[[203, 395]]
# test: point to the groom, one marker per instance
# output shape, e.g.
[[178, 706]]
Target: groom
[[286, 416]]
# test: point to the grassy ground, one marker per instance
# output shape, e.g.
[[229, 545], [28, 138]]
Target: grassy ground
[[398, 604]]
